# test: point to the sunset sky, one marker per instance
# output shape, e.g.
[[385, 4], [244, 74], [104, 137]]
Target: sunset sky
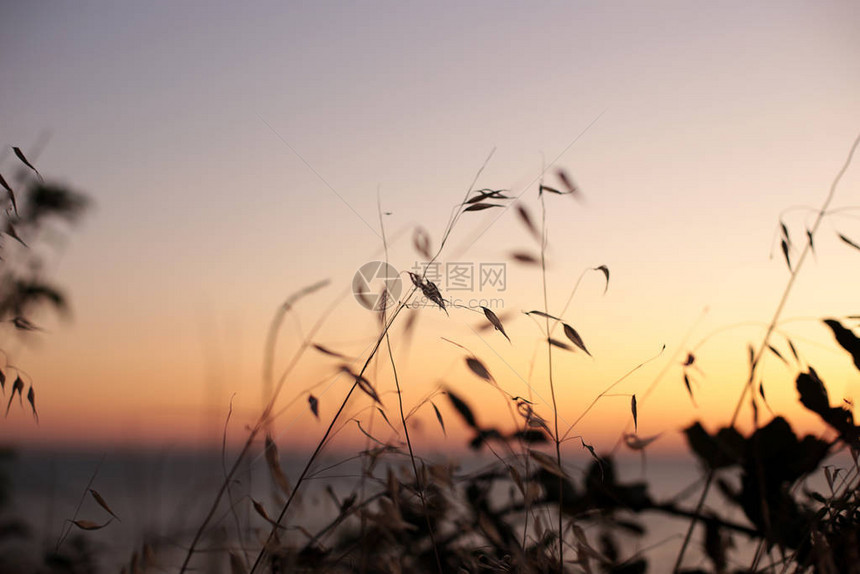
[[236, 154]]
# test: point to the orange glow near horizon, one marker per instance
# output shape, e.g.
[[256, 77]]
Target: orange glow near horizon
[[227, 175]]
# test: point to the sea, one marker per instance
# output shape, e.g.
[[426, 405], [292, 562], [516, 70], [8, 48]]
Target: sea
[[154, 502]]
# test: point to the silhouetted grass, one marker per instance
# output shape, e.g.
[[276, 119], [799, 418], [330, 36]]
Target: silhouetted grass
[[528, 510]]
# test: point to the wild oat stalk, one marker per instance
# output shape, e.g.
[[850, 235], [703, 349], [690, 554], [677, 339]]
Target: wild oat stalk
[[383, 335], [556, 436]]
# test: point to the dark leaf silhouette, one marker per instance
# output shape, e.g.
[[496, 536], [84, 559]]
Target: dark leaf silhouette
[[689, 388], [101, 502], [314, 403], [492, 318], [784, 245], [429, 289], [439, 418], [761, 391], [2, 380], [689, 360], [385, 418], [548, 189], [89, 524], [421, 241], [571, 334], [527, 258], [527, 221], [719, 451], [33, 293], [368, 389], [846, 339], [811, 240], [54, 200], [11, 194], [785, 235], [559, 344], [362, 383], [542, 314], [261, 510], [10, 231], [461, 407], [793, 350], [568, 183], [31, 398], [484, 326], [483, 194], [17, 387], [716, 545], [478, 368], [635, 415], [24, 324], [773, 350], [482, 206], [813, 395], [848, 241], [25, 161], [327, 351], [605, 270]]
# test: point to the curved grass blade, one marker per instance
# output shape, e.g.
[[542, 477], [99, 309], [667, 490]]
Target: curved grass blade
[[605, 270], [314, 404], [571, 334], [527, 221], [559, 344], [784, 245], [17, 387], [846, 339], [568, 183], [327, 351], [848, 241], [527, 258], [549, 189], [461, 407], [635, 416], [11, 194], [689, 388], [635, 443], [439, 418], [478, 368], [492, 318], [542, 314], [101, 502], [89, 524], [482, 206], [25, 161]]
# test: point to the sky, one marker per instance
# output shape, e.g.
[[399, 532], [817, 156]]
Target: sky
[[235, 154]]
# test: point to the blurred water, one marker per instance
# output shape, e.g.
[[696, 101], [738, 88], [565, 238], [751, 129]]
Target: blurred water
[[161, 497]]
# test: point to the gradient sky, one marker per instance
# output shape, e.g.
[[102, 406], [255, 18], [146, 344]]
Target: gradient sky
[[235, 154]]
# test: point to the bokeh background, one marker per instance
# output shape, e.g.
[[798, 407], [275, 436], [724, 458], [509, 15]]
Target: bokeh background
[[237, 153]]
